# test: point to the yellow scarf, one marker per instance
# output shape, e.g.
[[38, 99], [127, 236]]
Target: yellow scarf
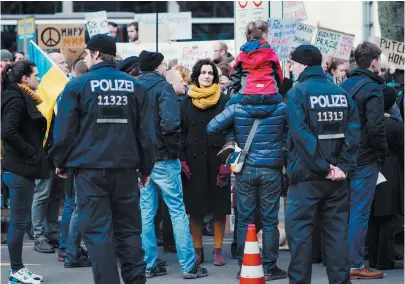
[[30, 93], [204, 98]]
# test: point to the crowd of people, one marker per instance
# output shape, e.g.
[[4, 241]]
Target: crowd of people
[[136, 141]]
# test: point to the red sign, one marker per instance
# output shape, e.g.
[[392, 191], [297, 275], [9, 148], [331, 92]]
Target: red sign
[[243, 5], [257, 4]]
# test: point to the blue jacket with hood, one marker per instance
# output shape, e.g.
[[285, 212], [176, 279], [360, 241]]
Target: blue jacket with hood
[[267, 146], [323, 126]]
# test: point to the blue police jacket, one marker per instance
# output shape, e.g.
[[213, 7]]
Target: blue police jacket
[[267, 146], [104, 120], [323, 125]]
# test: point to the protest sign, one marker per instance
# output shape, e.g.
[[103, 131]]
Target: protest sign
[[71, 54], [96, 23], [25, 33], [294, 10], [281, 36], [179, 23], [393, 50], [147, 33], [334, 43], [339, 79], [61, 36], [187, 53], [245, 12], [303, 35]]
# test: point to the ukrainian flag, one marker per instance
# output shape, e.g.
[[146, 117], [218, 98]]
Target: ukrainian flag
[[52, 83]]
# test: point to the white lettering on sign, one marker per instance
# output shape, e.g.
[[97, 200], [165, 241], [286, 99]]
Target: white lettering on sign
[[328, 101], [112, 85]]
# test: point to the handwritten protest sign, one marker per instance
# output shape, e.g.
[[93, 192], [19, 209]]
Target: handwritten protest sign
[[61, 36], [393, 50], [339, 79], [281, 36], [334, 44], [303, 35], [294, 10], [179, 23], [96, 23], [187, 53]]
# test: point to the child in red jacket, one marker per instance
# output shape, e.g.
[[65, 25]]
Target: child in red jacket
[[256, 72]]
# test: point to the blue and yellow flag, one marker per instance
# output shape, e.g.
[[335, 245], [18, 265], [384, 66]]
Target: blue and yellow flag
[[52, 83]]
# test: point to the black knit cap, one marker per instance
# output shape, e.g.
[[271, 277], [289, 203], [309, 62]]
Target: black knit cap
[[149, 61], [307, 55], [102, 43], [128, 62]]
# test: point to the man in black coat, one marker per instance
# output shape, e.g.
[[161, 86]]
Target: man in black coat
[[165, 176], [365, 87], [387, 202]]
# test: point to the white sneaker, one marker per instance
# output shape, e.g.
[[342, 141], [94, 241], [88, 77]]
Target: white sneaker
[[21, 276], [34, 276]]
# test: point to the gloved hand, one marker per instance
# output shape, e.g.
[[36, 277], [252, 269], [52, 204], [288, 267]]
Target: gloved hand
[[185, 169], [223, 176]]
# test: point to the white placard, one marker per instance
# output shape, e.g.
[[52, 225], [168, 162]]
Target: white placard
[[303, 35], [96, 23], [294, 10], [281, 36], [179, 23], [393, 50], [334, 43]]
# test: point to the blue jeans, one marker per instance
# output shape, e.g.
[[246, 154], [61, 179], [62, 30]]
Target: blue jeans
[[45, 209], [362, 188], [21, 195], [70, 229], [264, 184], [166, 178]]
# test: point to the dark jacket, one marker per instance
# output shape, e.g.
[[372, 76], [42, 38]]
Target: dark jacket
[[22, 132], [389, 195], [323, 127], [370, 103], [257, 70], [104, 120], [199, 150], [166, 111], [267, 146]]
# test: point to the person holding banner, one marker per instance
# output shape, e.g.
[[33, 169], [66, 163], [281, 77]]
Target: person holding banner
[[22, 130], [104, 136], [324, 132]]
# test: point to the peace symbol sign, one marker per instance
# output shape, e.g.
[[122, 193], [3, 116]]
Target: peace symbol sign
[[50, 37]]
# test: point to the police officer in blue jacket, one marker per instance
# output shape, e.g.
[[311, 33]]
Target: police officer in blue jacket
[[104, 132], [324, 134]]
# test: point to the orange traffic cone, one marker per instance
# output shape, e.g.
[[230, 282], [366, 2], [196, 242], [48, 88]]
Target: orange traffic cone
[[252, 269]]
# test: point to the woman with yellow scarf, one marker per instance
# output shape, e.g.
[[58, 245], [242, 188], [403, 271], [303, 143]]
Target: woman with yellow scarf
[[205, 180]]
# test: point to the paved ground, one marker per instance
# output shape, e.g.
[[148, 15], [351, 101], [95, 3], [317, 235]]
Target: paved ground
[[54, 272]]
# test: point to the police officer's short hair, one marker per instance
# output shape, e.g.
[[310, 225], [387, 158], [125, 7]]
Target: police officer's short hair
[[365, 53], [104, 56]]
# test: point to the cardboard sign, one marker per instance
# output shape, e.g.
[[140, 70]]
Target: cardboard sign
[[339, 80], [245, 12], [71, 54], [294, 10], [393, 50], [303, 35], [281, 35], [179, 23], [187, 53], [334, 44], [96, 23], [61, 36]]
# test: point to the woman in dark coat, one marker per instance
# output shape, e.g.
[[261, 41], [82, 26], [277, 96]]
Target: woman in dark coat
[[22, 132], [206, 180], [389, 195]]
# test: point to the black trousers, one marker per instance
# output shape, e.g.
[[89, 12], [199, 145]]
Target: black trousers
[[108, 204], [331, 201], [380, 240]]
